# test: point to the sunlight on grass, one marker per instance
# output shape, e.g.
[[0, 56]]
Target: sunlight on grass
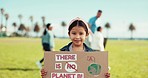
[[127, 58]]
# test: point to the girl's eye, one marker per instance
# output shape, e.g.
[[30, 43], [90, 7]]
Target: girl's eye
[[74, 33], [81, 33]]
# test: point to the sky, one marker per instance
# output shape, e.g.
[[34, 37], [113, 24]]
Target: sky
[[119, 13]]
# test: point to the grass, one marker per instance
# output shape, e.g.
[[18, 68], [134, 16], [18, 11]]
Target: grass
[[127, 59]]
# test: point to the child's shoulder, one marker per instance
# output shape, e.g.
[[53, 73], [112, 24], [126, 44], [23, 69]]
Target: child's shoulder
[[87, 49], [66, 47]]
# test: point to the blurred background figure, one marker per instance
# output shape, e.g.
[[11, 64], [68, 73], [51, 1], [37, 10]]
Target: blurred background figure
[[47, 42], [92, 21], [88, 40], [92, 25], [98, 40]]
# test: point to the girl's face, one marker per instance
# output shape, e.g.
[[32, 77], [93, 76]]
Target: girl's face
[[78, 35]]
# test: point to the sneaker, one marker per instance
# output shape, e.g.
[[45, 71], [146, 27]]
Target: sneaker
[[109, 68], [39, 64]]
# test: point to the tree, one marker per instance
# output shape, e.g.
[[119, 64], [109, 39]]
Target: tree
[[43, 20], [6, 17], [36, 29], [2, 13], [63, 24], [22, 27], [21, 30], [31, 19], [20, 18], [107, 26], [27, 31], [15, 26], [132, 28]]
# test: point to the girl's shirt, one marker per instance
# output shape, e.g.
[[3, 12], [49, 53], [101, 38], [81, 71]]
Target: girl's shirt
[[49, 39], [69, 47]]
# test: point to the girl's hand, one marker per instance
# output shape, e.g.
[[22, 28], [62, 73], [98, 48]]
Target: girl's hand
[[43, 73], [107, 75]]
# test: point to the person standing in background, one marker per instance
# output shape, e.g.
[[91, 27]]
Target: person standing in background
[[47, 42], [92, 21], [98, 40], [89, 39], [92, 25]]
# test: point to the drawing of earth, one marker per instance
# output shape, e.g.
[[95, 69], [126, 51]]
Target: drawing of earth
[[94, 69]]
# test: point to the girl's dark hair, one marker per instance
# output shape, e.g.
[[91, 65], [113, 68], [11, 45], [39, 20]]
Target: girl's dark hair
[[47, 26], [78, 23]]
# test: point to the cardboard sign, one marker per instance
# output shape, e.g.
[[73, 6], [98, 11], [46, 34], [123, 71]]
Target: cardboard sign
[[64, 64]]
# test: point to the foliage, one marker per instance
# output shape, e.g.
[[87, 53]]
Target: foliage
[[22, 27], [107, 25], [20, 18], [63, 24], [132, 28], [14, 24], [36, 28], [6, 16], [31, 18], [2, 11], [43, 20]]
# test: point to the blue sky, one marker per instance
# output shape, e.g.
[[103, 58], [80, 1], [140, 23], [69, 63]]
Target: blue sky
[[119, 13]]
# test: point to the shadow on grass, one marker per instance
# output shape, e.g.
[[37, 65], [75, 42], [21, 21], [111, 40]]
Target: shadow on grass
[[20, 69]]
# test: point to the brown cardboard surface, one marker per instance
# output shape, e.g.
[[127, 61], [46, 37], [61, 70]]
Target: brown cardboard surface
[[64, 64]]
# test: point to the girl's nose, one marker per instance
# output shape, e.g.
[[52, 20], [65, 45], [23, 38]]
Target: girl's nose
[[77, 36]]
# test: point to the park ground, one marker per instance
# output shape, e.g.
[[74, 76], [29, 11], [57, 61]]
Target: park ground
[[127, 58]]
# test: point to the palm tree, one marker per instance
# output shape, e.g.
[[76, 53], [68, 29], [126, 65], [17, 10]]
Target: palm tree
[[36, 29], [31, 19], [22, 29], [132, 28], [107, 26], [63, 24], [15, 26], [6, 17], [20, 18], [2, 13], [43, 20]]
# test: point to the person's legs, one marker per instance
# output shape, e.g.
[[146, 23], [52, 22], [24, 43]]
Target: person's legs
[[46, 48], [39, 64], [41, 60]]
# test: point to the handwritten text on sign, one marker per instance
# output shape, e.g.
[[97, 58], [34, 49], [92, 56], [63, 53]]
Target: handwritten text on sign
[[66, 57], [67, 75]]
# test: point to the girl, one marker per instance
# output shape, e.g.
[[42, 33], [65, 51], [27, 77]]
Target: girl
[[47, 42], [78, 32]]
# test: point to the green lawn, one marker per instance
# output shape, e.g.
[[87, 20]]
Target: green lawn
[[127, 59]]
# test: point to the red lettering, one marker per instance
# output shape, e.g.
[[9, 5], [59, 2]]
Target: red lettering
[[66, 57], [54, 75], [79, 75], [58, 66], [91, 58]]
